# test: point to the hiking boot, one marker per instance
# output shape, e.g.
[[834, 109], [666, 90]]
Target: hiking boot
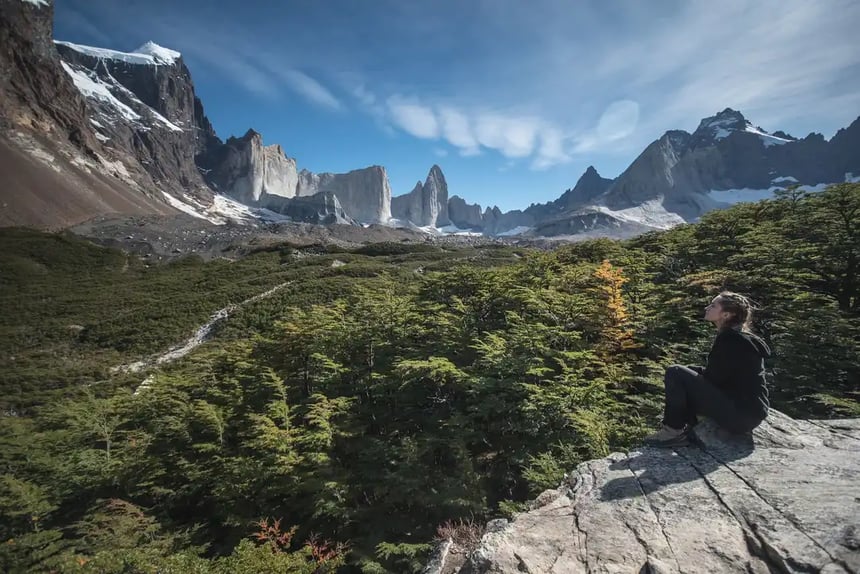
[[668, 437]]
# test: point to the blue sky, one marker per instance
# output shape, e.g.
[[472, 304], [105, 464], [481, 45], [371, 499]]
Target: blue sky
[[513, 99]]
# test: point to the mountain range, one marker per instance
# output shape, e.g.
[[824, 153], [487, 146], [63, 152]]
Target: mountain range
[[90, 131]]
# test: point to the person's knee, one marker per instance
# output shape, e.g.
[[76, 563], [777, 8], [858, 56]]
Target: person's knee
[[673, 372]]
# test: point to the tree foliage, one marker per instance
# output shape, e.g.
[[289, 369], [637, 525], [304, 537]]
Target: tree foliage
[[368, 404]]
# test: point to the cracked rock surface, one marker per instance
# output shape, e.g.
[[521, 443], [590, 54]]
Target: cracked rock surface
[[784, 499]]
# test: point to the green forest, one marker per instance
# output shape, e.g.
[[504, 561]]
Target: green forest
[[385, 396]]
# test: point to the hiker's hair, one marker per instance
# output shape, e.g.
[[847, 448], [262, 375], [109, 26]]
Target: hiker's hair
[[740, 308]]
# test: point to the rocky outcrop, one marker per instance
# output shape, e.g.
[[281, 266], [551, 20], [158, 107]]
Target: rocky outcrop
[[34, 91], [248, 171], [364, 193], [783, 499], [56, 171], [497, 222], [321, 208], [587, 223], [589, 186], [844, 147], [650, 175], [408, 207], [425, 205], [143, 103], [263, 176], [463, 215]]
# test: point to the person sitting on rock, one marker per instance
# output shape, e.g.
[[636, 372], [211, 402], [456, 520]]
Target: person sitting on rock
[[731, 389]]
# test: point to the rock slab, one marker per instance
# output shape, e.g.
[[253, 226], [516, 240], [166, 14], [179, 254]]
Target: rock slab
[[784, 499]]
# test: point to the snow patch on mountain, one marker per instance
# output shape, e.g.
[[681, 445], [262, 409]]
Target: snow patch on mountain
[[224, 210], [225, 207], [766, 138], [159, 53], [453, 230], [182, 206], [518, 230], [37, 3], [92, 87], [651, 213], [743, 195], [730, 121], [158, 117], [150, 54]]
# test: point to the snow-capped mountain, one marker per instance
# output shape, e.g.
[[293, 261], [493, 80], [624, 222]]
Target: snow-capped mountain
[[91, 131], [681, 176], [727, 122]]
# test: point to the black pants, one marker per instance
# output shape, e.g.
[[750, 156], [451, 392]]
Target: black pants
[[688, 394]]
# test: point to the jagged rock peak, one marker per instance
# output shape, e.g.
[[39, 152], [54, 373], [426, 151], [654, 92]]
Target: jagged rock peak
[[679, 139], [588, 177], [251, 173], [781, 499], [426, 204], [727, 119], [716, 128], [589, 186], [783, 135], [251, 134]]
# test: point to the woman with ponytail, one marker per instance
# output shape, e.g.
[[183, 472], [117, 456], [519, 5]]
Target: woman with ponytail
[[731, 389]]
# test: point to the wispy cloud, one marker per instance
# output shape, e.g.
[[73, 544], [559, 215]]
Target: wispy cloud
[[260, 73], [775, 61], [617, 122], [414, 118], [513, 136], [308, 88], [599, 81]]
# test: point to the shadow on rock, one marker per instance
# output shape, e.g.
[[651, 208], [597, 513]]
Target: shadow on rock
[[652, 469]]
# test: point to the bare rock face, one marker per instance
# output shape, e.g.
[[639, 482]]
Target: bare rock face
[[463, 215], [248, 171], [497, 222], [322, 208], [650, 175], [435, 197], [589, 186], [263, 176], [783, 499], [56, 170], [143, 103], [34, 92], [425, 205], [408, 207], [364, 193], [586, 222]]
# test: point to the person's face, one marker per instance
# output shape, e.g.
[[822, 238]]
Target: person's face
[[714, 312]]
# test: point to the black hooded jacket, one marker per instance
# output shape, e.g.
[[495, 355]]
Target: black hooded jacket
[[736, 366]]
